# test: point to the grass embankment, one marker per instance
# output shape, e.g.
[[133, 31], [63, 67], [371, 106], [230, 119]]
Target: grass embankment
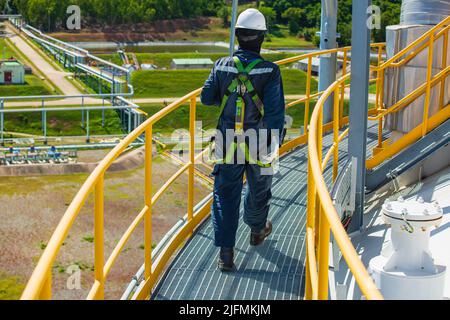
[[163, 60], [177, 83], [6, 51], [66, 123], [33, 87], [33, 84]]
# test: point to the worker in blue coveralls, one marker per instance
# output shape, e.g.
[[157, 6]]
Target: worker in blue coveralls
[[250, 93]]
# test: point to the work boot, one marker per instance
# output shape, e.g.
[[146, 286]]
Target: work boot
[[257, 238], [226, 259]]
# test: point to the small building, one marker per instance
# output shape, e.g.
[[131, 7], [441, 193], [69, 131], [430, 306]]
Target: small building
[[12, 72], [315, 65], [148, 66], [180, 64]]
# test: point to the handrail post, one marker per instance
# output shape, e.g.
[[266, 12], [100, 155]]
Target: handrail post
[[310, 223], [99, 235], [380, 106], [428, 92], [322, 224], [444, 65], [380, 95], [317, 215], [336, 133], [324, 248], [46, 292], [148, 202], [379, 71], [344, 73], [192, 116], [308, 96]]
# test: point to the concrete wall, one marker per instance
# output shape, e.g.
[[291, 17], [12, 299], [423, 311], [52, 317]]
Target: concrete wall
[[18, 74]]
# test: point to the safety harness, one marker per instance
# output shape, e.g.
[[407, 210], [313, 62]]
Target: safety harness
[[241, 85]]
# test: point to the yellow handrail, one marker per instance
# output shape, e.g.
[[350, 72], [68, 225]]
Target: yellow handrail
[[425, 42], [39, 285], [321, 208], [322, 216]]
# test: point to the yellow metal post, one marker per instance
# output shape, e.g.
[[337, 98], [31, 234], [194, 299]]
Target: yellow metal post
[[46, 292], [344, 73], [310, 223], [99, 237], [148, 202], [379, 71], [444, 65], [428, 92], [380, 132], [317, 206], [308, 95], [322, 222], [324, 243], [192, 116], [336, 119], [380, 93]]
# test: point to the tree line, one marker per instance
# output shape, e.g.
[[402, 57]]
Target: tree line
[[301, 16], [50, 15]]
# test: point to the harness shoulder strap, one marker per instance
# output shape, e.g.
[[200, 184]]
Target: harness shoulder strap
[[249, 68], [235, 83]]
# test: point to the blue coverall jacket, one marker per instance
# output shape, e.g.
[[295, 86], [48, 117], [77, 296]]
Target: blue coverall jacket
[[266, 79]]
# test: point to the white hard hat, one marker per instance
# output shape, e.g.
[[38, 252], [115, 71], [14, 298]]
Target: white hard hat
[[251, 19]]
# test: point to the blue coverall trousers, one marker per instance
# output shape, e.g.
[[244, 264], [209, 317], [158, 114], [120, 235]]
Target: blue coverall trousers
[[228, 187]]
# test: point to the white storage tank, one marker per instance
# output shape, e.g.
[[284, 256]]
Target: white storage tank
[[417, 17], [429, 12]]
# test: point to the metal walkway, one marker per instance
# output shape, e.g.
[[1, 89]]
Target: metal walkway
[[273, 271]]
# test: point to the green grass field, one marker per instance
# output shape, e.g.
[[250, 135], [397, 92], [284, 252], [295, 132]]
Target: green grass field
[[66, 123], [33, 87], [177, 83], [163, 60], [5, 50]]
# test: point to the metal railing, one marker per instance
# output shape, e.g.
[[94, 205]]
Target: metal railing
[[40, 283], [429, 122], [321, 213], [322, 216], [117, 98]]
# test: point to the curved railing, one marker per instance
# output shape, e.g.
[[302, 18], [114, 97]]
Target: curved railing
[[321, 213], [322, 216], [40, 283]]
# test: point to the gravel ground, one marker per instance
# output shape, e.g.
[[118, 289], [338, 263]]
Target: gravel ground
[[31, 208]]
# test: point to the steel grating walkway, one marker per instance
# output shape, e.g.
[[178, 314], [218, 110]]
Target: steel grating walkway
[[273, 271]]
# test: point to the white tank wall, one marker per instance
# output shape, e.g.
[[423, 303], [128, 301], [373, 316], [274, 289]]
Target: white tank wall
[[429, 12], [417, 17], [402, 81]]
